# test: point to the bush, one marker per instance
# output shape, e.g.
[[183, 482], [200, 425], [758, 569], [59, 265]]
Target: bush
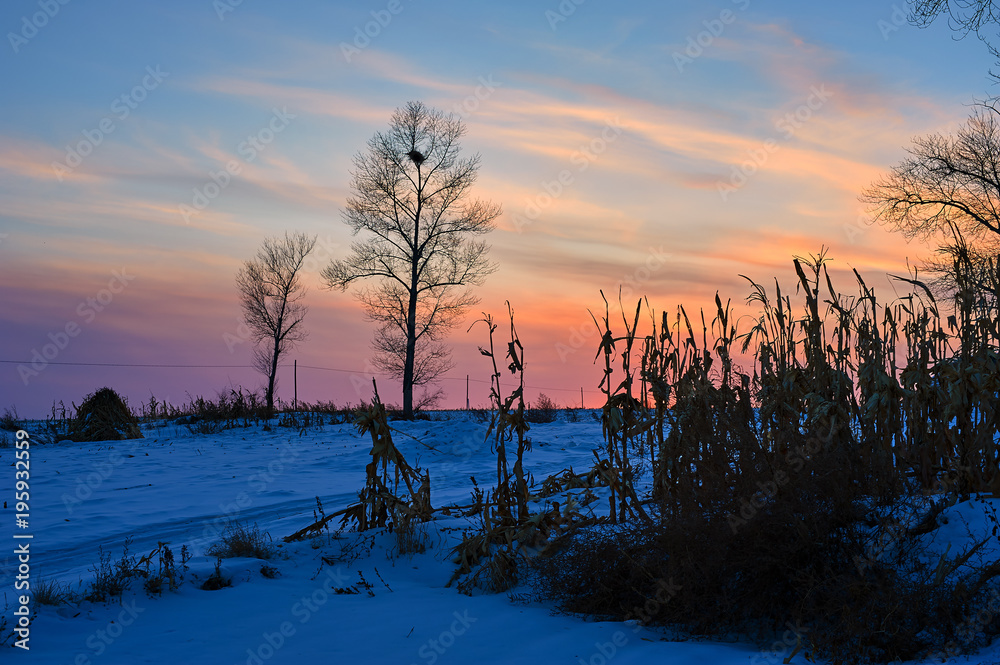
[[301, 420], [231, 409], [49, 592], [10, 421], [153, 585], [217, 580], [104, 416], [166, 572], [542, 411], [410, 533], [112, 579], [480, 415], [338, 415], [240, 540]]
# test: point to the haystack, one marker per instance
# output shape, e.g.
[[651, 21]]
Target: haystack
[[104, 416]]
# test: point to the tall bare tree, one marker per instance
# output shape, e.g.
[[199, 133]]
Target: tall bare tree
[[948, 190], [270, 295], [421, 249]]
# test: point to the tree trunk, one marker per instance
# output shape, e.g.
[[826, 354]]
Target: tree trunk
[[411, 309], [271, 376], [411, 352]]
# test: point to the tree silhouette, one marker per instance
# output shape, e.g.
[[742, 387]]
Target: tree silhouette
[[420, 246], [270, 295], [949, 189]]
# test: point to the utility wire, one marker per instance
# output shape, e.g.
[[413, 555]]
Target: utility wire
[[326, 369], [28, 362]]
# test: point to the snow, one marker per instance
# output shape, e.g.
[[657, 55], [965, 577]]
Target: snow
[[178, 487]]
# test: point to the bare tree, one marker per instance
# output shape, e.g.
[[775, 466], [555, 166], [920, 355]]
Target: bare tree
[[968, 17], [270, 295], [949, 190], [410, 197]]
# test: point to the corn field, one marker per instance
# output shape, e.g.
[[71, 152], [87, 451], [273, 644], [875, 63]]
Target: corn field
[[905, 389]]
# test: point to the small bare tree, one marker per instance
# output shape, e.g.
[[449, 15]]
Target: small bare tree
[[949, 190], [410, 197], [270, 295]]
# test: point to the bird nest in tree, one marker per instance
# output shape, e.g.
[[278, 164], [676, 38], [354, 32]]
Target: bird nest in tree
[[104, 416]]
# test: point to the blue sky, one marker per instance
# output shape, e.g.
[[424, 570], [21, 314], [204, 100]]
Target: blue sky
[[682, 174]]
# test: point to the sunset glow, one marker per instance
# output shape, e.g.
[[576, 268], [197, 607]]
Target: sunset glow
[[664, 149]]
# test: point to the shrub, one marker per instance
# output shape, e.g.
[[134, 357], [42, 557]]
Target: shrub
[[9, 421], [240, 540], [153, 585], [301, 420], [166, 570], [338, 415], [217, 580], [544, 410], [231, 409], [480, 415], [112, 579], [50, 592], [104, 416], [155, 410], [410, 533]]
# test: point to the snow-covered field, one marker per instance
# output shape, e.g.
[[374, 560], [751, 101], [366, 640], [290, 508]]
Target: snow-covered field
[[179, 488]]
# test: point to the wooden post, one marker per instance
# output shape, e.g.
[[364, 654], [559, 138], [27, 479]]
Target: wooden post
[[295, 382], [581, 398], [466, 392]]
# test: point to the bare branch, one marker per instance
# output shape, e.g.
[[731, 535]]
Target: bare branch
[[967, 17], [948, 189]]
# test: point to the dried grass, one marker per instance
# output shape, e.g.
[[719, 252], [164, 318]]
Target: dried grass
[[104, 416]]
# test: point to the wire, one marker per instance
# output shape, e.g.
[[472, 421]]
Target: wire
[[28, 362], [326, 369]]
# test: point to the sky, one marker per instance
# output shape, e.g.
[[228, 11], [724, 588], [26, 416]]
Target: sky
[[657, 149]]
